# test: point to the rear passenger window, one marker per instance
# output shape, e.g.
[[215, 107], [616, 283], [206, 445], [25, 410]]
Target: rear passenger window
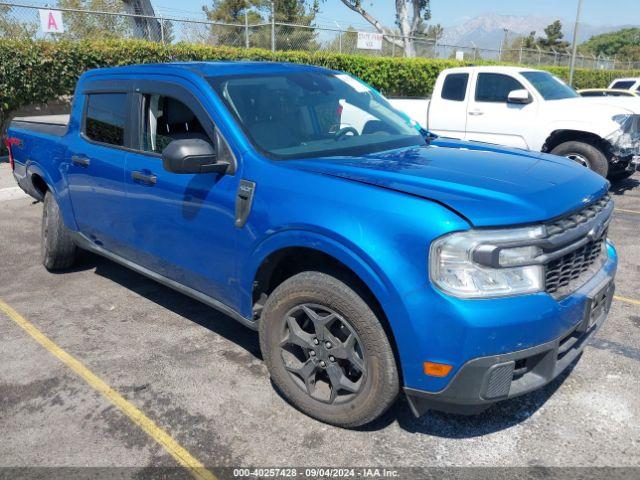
[[495, 87], [455, 86], [106, 118]]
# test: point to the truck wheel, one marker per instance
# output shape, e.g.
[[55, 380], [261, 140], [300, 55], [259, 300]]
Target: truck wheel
[[326, 350], [585, 154], [58, 251]]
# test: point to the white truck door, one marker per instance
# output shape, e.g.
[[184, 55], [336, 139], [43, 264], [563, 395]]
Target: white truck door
[[448, 107], [492, 119]]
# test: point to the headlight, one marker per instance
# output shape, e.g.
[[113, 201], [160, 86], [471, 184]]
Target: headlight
[[622, 120], [625, 141], [486, 263]]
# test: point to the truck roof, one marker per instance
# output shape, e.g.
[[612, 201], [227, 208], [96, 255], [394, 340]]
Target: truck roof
[[492, 69], [206, 69]]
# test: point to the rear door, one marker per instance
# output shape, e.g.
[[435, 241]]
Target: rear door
[[183, 224], [447, 114], [95, 165], [491, 119]]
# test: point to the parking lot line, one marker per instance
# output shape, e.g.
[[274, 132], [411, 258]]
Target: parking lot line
[[182, 456], [626, 300], [627, 211]]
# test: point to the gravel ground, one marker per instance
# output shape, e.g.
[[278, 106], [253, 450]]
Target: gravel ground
[[199, 375]]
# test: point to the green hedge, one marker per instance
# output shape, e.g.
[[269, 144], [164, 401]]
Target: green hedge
[[35, 72]]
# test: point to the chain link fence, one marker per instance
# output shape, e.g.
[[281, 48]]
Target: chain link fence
[[23, 21]]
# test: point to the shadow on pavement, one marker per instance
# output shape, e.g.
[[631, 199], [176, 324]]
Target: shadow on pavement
[[623, 186], [176, 302]]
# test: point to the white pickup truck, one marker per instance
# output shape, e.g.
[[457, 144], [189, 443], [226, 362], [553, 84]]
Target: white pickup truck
[[532, 109]]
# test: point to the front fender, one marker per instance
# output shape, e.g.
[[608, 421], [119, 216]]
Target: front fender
[[346, 253], [598, 127]]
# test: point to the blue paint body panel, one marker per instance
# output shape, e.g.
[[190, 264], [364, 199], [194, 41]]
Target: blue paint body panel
[[377, 214]]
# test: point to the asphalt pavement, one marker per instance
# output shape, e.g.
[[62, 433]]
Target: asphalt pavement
[[198, 376]]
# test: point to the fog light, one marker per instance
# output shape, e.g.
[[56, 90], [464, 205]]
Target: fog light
[[434, 369]]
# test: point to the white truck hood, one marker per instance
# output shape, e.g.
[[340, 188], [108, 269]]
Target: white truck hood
[[586, 114], [631, 104]]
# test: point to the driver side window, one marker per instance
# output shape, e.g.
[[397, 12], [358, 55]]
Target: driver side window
[[165, 120], [495, 87]]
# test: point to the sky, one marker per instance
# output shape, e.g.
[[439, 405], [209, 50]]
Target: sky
[[451, 12]]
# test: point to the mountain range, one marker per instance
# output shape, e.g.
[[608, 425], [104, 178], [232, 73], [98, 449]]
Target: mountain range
[[487, 31]]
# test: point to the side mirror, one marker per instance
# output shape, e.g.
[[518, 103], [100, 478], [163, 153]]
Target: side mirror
[[520, 96], [192, 155]]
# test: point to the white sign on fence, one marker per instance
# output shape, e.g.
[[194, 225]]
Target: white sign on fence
[[51, 21], [369, 41], [460, 55]]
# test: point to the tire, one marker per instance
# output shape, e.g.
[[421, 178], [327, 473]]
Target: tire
[[58, 251], [584, 153], [364, 363]]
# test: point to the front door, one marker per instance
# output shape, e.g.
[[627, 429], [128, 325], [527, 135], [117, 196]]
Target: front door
[[183, 224], [490, 118]]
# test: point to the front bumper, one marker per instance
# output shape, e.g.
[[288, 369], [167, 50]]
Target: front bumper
[[480, 382]]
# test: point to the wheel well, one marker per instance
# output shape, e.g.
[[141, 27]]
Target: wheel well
[[39, 185], [285, 263], [560, 136]]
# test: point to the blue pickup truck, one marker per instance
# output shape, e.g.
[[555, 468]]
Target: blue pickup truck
[[371, 256]]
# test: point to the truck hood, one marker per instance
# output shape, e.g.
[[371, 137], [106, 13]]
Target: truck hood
[[591, 109], [630, 104], [487, 185]]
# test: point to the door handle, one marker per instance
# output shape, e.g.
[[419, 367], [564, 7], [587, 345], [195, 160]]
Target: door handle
[[475, 113], [80, 160], [147, 179]]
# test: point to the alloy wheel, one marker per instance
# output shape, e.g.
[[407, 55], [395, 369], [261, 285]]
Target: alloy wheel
[[322, 353], [579, 158]]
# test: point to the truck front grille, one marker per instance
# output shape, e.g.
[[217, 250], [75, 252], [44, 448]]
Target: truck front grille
[[567, 273], [564, 224]]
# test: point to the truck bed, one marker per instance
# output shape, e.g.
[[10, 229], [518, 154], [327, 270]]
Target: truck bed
[[48, 124]]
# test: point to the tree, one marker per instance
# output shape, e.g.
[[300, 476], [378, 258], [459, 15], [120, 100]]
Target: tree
[[410, 18], [298, 12], [78, 26], [232, 12], [166, 31], [622, 43], [529, 41], [553, 37], [13, 29]]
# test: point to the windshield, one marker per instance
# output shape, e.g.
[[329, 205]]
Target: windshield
[[550, 87], [307, 114]]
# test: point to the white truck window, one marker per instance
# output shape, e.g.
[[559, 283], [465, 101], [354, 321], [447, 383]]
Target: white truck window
[[623, 84], [455, 86], [495, 87]]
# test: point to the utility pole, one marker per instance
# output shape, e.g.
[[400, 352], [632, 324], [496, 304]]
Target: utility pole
[[503, 45], [273, 26], [575, 44], [246, 28], [339, 36]]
